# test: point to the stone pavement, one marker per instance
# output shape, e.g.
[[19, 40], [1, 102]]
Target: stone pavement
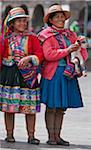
[[76, 126]]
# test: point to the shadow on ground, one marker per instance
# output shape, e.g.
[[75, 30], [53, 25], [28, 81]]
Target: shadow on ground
[[26, 146]]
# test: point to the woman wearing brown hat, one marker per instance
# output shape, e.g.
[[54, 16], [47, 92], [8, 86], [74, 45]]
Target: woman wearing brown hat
[[19, 88], [59, 85]]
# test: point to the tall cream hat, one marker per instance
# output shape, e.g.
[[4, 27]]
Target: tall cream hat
[[56, 8]]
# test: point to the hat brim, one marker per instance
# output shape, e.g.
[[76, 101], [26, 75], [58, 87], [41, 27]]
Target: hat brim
[[67, 15], [19, 16]]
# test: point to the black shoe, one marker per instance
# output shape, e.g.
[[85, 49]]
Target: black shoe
[[10, 139], [63, 142], [51, 142], [33, 141]]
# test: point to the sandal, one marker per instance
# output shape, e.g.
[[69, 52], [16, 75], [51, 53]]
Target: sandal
[[10, 139], [33, 141]]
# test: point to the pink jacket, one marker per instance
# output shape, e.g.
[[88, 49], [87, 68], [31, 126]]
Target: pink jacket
[[51, 51]]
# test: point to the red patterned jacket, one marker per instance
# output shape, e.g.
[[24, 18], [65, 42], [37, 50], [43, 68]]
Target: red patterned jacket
[[33, 47]]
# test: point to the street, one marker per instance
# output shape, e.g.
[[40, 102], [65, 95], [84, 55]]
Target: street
[[76, 126]]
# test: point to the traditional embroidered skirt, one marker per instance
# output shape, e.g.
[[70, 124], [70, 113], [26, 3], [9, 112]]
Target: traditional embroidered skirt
[[61, 92], [15, 96]]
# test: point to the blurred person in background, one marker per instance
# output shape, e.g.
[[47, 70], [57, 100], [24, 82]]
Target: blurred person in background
[[37, 18], [89, 28], [75, 27]]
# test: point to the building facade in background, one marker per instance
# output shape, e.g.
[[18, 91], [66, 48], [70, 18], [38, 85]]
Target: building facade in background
[[77, 8], [80, 11]]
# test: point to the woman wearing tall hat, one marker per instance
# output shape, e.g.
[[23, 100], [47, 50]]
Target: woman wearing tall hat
[[59, 85], [19, 88]]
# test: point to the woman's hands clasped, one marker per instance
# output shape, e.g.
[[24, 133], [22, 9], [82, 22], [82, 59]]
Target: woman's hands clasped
[[24, 62]]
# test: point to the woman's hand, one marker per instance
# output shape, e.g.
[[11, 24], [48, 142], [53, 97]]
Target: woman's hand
[[24, 62], [81, 38], [73, 47]]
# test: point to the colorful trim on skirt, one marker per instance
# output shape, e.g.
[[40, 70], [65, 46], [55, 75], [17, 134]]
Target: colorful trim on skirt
[[15, 96]]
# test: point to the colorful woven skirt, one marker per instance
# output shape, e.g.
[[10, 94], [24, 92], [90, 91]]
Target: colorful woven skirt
[[60, 92], [15, 96]]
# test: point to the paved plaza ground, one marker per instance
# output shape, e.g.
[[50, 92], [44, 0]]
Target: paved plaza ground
[[76, 126]]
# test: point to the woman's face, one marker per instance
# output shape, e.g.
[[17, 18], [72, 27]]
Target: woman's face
[[20, 24], [58, 20]]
